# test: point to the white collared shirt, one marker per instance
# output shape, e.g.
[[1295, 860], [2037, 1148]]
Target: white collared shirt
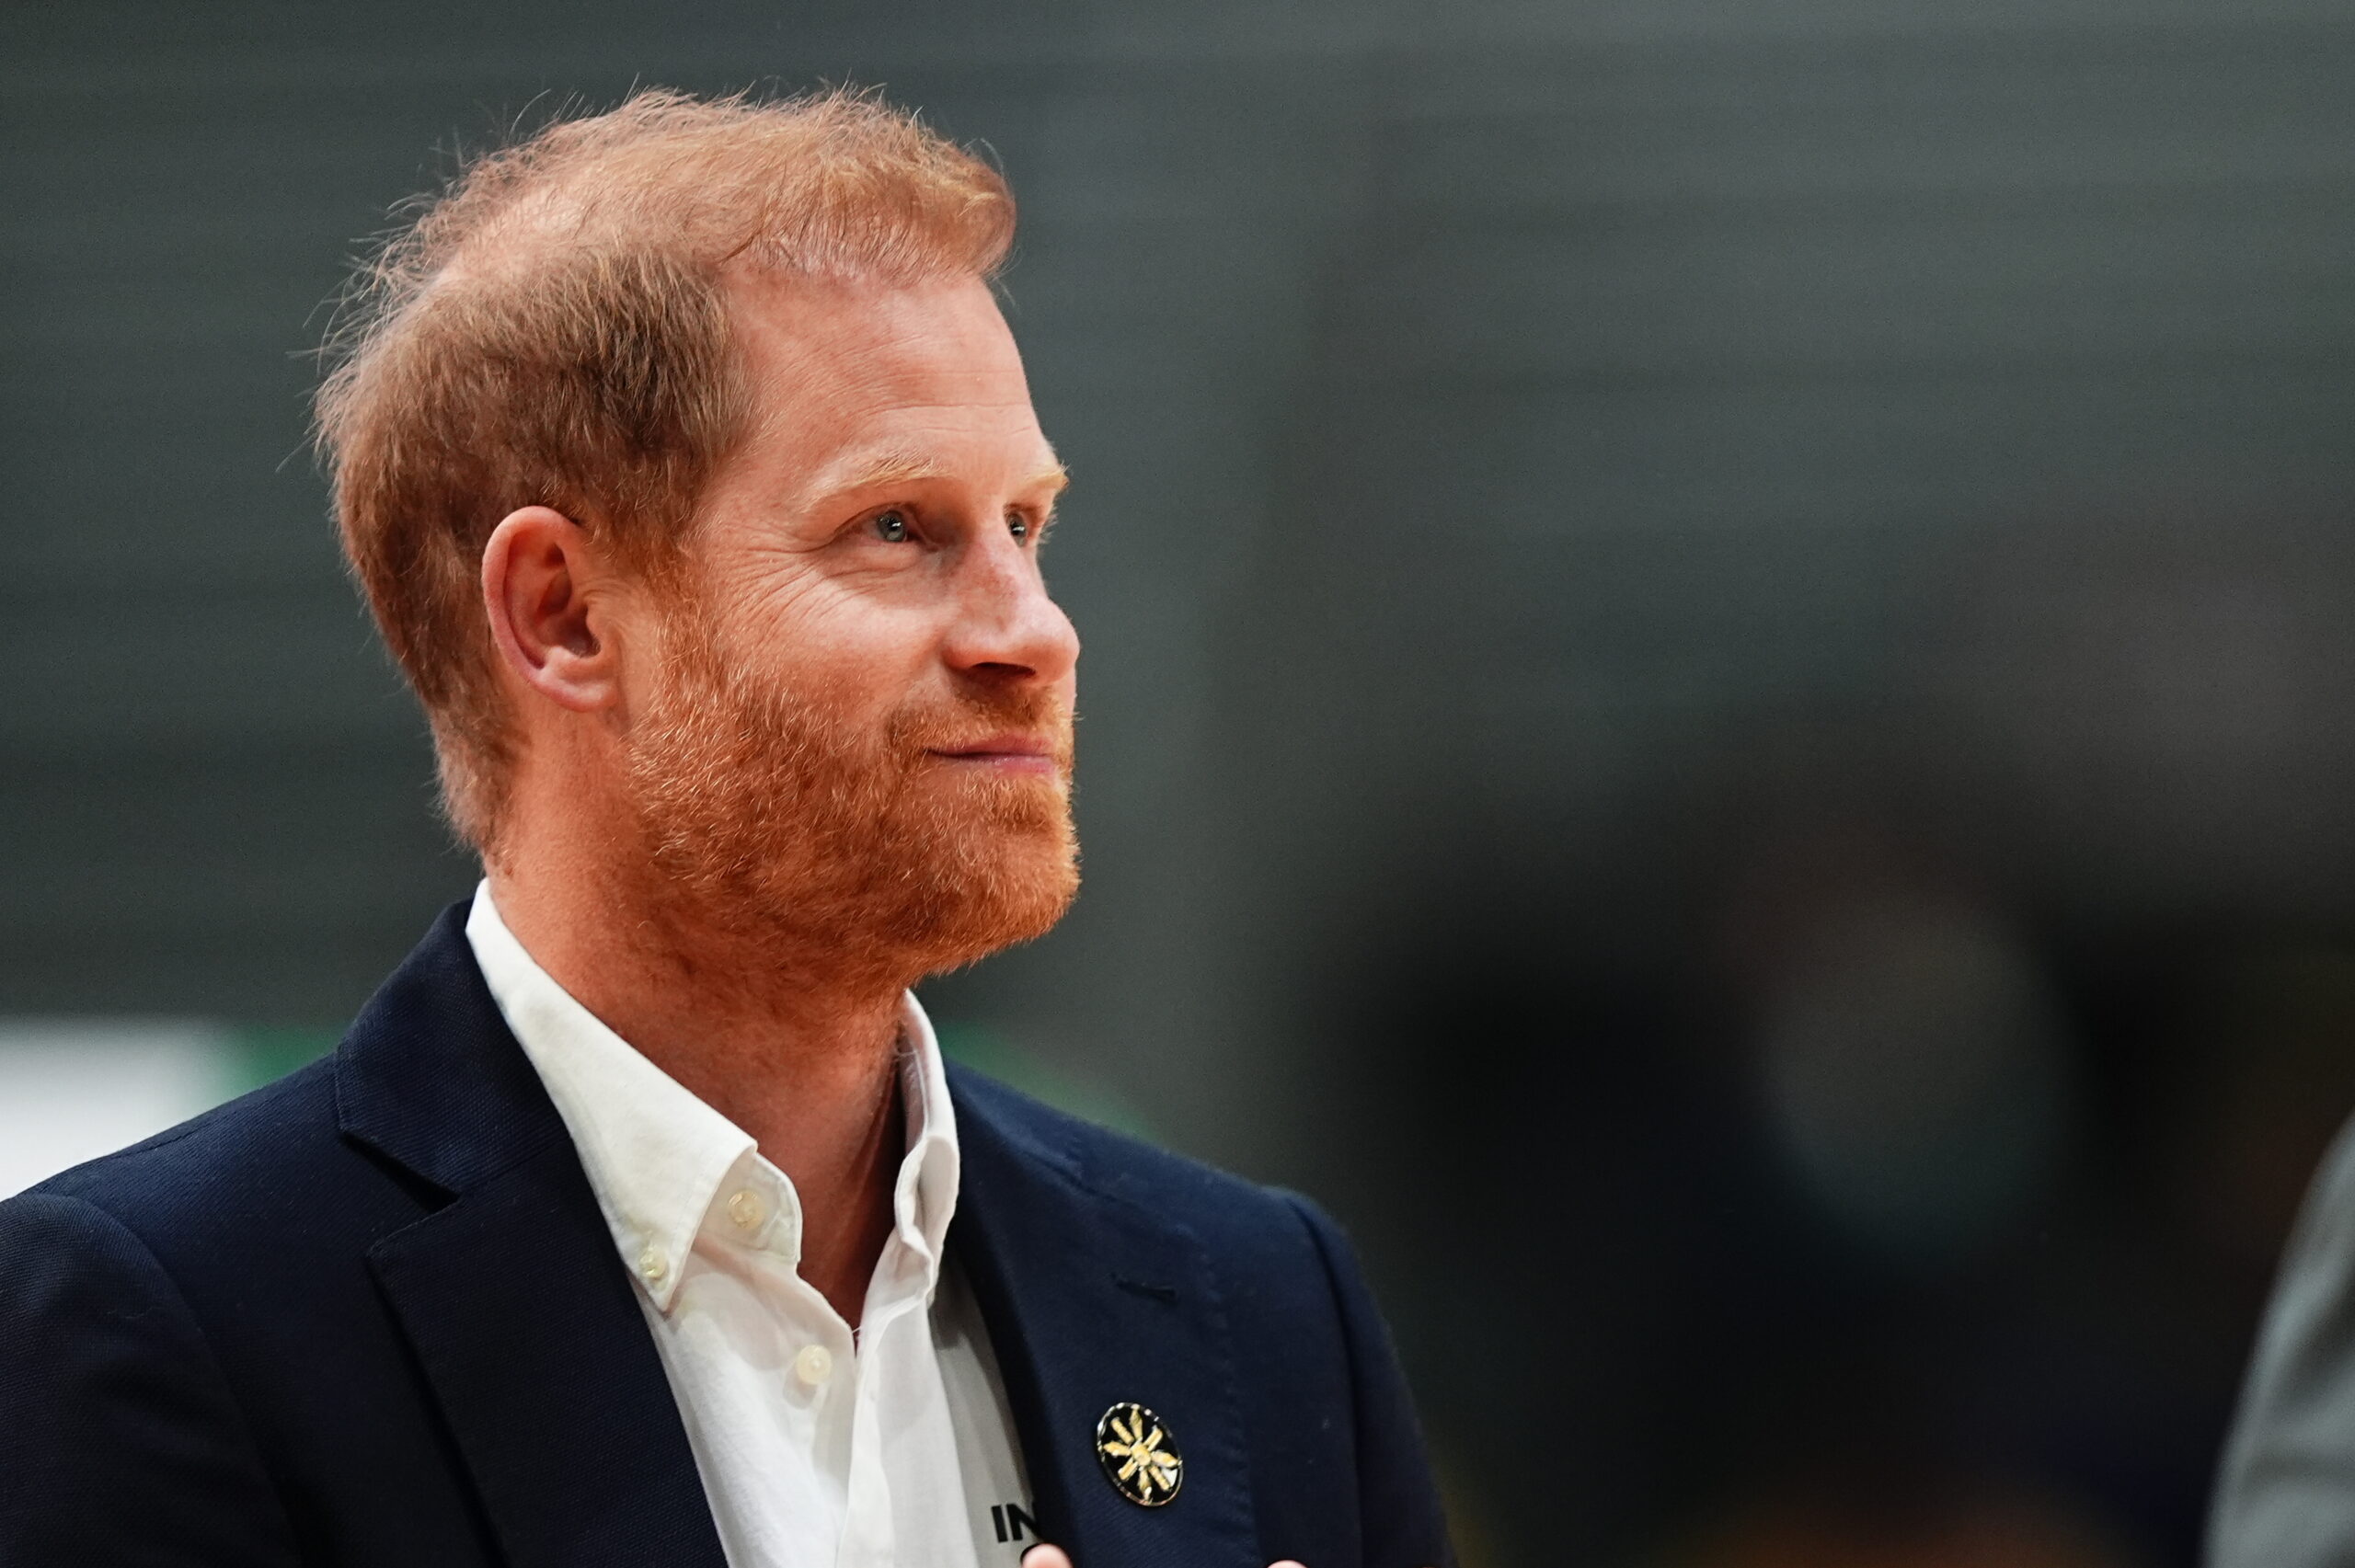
[[819, 1447]]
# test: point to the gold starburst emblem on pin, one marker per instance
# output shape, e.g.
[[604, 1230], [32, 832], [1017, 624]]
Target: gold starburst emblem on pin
[[1139, 1457]]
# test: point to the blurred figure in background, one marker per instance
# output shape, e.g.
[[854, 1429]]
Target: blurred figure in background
[[2286, 1498]]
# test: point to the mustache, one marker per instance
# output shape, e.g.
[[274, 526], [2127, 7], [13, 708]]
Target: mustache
[[969, 722]]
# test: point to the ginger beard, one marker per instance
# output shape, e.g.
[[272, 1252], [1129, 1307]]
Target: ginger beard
[[845, 852]]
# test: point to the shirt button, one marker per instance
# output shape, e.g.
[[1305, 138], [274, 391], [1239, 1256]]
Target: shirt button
[[745, 1208], [814, 1365], [653, 1266]]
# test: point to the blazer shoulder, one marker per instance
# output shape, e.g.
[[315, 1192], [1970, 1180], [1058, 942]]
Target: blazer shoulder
[[265, 1159], [113, 1395]]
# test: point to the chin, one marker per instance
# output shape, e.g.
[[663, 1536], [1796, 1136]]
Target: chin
[[1013, 891]]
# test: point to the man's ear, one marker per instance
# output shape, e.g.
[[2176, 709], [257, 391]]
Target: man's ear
[[543, 586]]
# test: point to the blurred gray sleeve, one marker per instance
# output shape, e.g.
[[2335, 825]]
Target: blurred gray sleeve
[[2286, 1498]]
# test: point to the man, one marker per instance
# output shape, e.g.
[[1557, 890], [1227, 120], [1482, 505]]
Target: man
[[691, 472]]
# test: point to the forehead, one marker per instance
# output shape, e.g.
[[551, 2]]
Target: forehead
[[831, 363]]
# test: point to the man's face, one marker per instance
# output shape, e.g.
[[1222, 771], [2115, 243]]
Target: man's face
[[858, 737]]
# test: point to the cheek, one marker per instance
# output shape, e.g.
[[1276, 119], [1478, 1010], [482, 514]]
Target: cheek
[[851, 654]]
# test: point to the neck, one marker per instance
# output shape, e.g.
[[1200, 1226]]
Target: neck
[[801, 1056]]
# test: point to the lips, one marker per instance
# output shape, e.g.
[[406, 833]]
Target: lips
[[1000, 748], [1011, 751]]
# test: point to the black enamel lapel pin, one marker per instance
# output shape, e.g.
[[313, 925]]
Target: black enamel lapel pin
[[1139, 1456]]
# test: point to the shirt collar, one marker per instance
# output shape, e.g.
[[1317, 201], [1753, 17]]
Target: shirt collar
[[656, 1155]]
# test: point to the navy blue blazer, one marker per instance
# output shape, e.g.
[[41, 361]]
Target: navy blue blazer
[[371, 1315]]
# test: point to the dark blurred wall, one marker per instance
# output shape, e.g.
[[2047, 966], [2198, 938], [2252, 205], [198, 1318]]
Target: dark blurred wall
[[1720, 675]]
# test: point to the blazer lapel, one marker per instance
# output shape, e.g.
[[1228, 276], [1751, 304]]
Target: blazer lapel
[[523, 1319], [1091, 1301]]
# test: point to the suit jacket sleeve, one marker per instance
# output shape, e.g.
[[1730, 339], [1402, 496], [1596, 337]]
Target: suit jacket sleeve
[[1400, 1517], [2287, 1496], [119, 1442]]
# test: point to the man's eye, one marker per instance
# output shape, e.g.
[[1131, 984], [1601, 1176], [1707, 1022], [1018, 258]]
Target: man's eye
[[892, 527]]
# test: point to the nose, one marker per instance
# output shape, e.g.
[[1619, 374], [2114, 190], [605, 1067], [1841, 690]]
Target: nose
[[1009, 630]]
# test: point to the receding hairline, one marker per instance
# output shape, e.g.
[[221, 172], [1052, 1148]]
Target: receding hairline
[[714, 185]]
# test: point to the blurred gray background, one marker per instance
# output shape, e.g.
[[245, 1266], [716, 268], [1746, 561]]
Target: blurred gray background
[[1719, 694]]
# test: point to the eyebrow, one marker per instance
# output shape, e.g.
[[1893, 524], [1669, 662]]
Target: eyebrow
[[876, 471]]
